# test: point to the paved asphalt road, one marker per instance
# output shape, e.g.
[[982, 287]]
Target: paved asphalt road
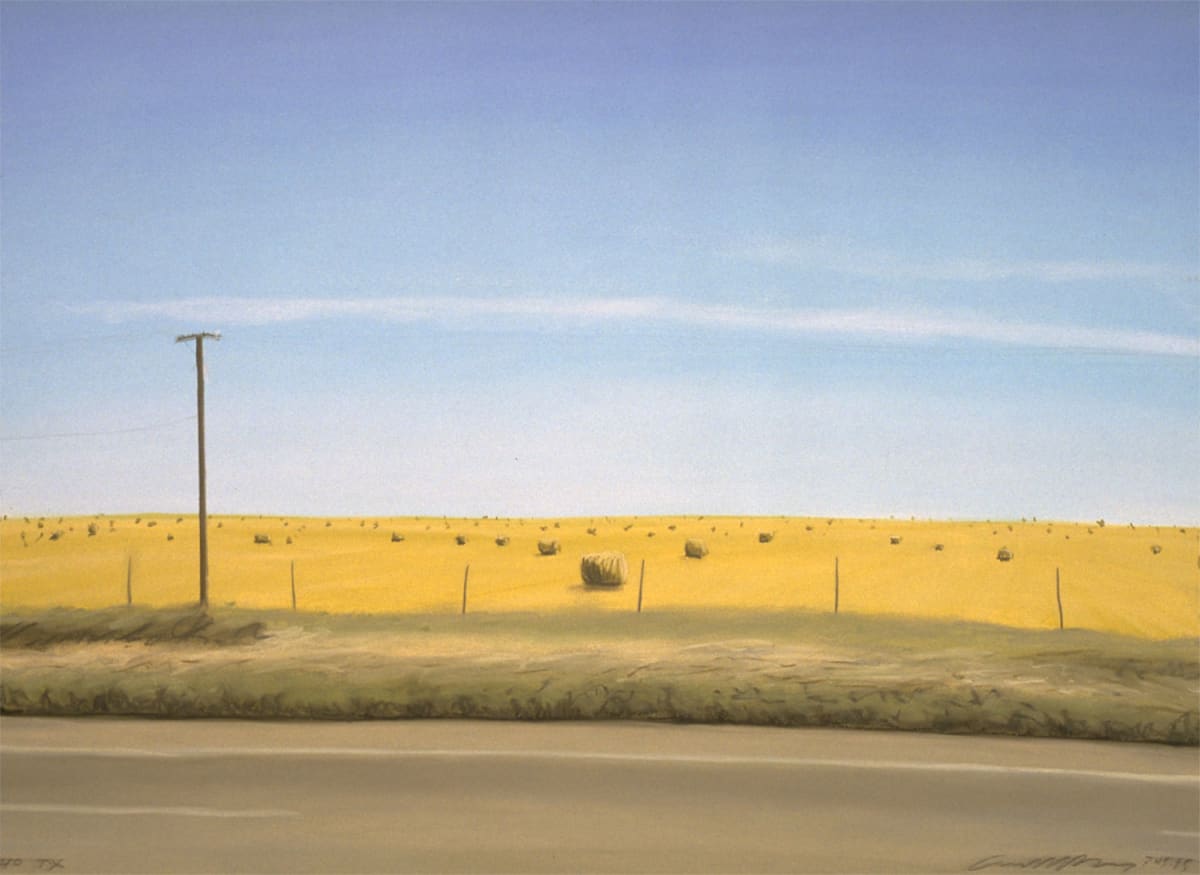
[[102, 795]]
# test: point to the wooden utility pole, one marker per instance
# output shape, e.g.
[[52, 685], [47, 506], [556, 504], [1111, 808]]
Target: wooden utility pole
[[199, 338]]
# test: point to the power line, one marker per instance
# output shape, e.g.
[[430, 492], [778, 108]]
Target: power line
[[74, 434], [24, 347]]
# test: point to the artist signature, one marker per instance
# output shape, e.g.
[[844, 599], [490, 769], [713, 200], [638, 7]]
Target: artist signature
[[31, 864], [1086, 863]]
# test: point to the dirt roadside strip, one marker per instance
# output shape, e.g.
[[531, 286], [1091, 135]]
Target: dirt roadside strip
[[866, 673]]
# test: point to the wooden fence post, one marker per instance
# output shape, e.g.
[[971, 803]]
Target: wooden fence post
[[1058, 596], [641, 583], [293, 584], [129, 581], [466, 574], [836, 585]]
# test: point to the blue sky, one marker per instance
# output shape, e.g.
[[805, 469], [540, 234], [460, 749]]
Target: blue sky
[[857, 259]]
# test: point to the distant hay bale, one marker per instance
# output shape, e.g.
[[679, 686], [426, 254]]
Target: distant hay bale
[[548, 548], [289, 539], [1005, 555], [151, 523], [671, 527], [895, 539], [92, 530], [56, 534], [397, 537], [766, 537], [694, 548], [939, 547], [591, 531], [460, 539], [1155, 549], [171, 537], [262, 539], [502, 541], [649, 534], [607, 569]]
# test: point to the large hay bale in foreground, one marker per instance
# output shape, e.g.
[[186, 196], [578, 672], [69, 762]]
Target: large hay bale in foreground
[[695, 549], [604, 569], [548, 548]]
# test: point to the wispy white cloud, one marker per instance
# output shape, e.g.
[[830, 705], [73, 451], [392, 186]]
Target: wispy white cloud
[[462, 313], [838, 256]]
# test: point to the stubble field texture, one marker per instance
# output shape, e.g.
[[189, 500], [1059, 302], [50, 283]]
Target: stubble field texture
[[1142, 581]]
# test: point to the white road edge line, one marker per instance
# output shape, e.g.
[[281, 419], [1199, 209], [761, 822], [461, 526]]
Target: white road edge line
[[1180, 832], [126, 810], [595, 756]]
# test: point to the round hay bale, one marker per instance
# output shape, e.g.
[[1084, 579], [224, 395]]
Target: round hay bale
[[548, 548], [591, 531], [460, 539], [502, 541], [1005, 555], [262, 539], [1155, 549], [608, 569], [694, 548], [397, 537], [895, 539], [766, 537]]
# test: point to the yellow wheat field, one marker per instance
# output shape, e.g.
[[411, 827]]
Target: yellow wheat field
[[1113, 577]]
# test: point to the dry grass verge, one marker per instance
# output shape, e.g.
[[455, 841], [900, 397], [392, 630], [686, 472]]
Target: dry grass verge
[[780, 669]]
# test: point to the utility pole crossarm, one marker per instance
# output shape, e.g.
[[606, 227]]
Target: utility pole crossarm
[[199, 338], [215, 335]]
